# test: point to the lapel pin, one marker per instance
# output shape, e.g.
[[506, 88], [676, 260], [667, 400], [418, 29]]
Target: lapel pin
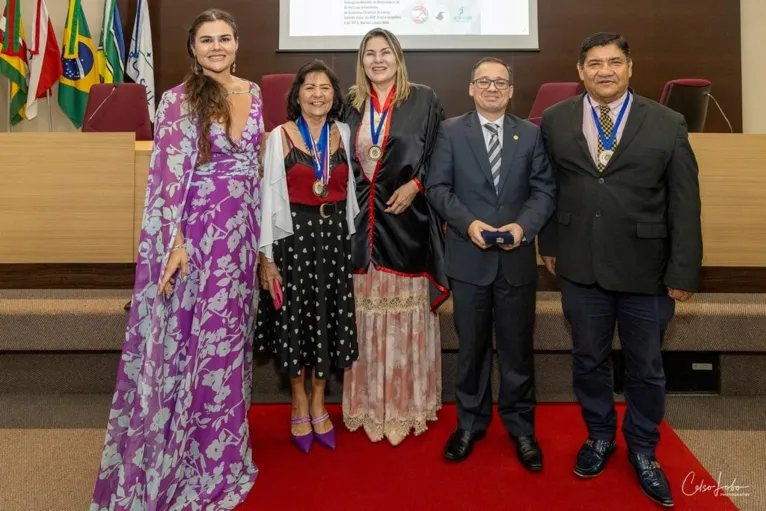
[[515, 137]]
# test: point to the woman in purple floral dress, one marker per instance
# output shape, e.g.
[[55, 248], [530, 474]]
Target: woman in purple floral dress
[[178, 435]]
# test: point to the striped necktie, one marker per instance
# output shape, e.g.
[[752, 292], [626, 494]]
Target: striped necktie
[[494, 151]]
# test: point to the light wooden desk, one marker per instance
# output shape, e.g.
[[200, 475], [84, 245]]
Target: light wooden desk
[[67, 197], [143, 158], [79, 197], [733, 192]]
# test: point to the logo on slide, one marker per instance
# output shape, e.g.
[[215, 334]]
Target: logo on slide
[[441, 15], [462, 17], [419, 14]]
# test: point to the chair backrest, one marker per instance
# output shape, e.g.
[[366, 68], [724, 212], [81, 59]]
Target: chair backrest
[[689, 97], [274, 91], [549, 94], [118, 107]]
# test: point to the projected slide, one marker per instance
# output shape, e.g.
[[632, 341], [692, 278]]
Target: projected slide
[[419, 24]]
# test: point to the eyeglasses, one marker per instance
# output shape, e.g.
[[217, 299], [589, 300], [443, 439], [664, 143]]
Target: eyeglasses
[[484, 83]]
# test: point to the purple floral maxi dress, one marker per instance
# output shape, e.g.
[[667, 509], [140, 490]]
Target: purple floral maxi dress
[[178, 436]]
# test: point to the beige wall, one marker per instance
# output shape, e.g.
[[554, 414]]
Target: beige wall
[[753, 71], [57, 9]]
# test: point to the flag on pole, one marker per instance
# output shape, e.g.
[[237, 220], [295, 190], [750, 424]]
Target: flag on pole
[[13, 59], [44, 58], [79, 63], [111, 46], [141, 58]]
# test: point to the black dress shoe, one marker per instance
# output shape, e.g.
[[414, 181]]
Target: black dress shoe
[[529, 453], [592, 457], [460, 444], [651, 477]]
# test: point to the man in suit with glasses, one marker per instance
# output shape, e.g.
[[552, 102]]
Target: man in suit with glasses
[[490, 180]]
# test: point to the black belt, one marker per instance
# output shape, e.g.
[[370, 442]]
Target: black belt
[[326, 210]]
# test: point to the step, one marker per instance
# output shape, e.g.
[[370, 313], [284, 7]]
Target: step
[[95, 373], [94, 320], [68, 341], [62, 319]]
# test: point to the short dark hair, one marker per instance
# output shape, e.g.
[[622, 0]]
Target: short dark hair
[[603, 39], [314, 66], [492, 60]]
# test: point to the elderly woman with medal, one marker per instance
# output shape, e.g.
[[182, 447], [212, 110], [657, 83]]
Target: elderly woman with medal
[[306, 309], [395, 387]]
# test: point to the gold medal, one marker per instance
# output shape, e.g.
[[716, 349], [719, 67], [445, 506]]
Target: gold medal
[[605, 156], [319, 189], [375, 152]]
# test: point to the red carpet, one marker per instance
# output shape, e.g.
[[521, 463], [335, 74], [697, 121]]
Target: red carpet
[[362, 476]]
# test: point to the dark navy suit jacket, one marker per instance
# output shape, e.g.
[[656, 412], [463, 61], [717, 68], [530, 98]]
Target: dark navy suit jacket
[[461, 190]]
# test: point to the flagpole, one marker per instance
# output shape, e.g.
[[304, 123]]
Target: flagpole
[[50, 112], [10, 91]]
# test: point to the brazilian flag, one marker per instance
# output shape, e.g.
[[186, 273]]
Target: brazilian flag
[[13, 59], [78, 57]]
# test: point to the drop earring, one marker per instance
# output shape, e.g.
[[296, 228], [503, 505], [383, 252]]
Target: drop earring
[[234, 67]]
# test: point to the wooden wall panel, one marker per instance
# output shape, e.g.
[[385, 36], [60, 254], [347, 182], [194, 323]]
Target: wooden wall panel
[[667, 40]]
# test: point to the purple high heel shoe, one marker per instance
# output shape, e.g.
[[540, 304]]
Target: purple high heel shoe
[[326, 440], [302, 442]]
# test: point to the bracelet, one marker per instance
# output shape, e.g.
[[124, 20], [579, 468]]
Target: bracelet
[[178, 247]]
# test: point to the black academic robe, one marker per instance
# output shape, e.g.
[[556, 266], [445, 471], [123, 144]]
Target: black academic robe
[[411, 243]]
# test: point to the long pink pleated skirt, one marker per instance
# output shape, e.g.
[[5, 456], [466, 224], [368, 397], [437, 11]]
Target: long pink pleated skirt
[[395, 387]]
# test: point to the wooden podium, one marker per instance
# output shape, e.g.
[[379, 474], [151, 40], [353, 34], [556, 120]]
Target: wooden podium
[[79, 197]]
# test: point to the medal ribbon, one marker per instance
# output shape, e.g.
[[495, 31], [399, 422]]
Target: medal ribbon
[[374, 108], [320, 152], [609, 142]]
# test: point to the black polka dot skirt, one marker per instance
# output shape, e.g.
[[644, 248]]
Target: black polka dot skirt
[[316, 326]]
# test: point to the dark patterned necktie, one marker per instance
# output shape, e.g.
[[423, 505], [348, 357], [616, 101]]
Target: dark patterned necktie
[[606, 124]]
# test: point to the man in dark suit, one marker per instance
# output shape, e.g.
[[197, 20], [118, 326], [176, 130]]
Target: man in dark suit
[[489, 174], [626, 243]]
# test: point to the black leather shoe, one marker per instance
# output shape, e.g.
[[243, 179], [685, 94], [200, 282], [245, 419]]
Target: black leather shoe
[[592, 457], [651, 477], [460, 444], [529, 453]]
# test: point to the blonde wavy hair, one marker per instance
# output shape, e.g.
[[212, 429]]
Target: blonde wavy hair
[[359, 93]]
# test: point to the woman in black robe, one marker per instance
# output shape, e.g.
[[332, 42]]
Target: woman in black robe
[[395, 386]]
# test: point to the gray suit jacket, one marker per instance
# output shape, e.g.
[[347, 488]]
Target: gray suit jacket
[[461, 190]]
